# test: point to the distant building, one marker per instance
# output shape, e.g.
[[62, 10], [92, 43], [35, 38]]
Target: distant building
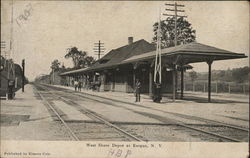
[[55, 77], [45, 79]]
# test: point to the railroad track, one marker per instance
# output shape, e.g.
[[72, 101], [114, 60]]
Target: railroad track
[[100, 120], [216, 129], [172, 113]]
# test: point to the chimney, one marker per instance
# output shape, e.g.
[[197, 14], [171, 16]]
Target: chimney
[[130, 40]]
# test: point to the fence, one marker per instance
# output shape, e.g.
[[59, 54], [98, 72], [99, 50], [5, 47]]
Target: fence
[[217, 87]]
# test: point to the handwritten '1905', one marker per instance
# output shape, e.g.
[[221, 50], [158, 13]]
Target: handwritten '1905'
[[26, 14]]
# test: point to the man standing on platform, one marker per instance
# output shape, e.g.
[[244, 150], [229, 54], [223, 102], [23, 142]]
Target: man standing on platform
[[137, 90], [79, 86]]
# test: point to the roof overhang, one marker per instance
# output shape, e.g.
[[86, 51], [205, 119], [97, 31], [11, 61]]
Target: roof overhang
[[73, 72], [189, 53]]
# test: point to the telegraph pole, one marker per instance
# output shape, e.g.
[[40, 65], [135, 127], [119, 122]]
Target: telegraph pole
[[175, 10], [11, 63], [99, 49]]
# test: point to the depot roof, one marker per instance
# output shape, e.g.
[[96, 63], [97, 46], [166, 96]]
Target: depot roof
[[143, 51], [116, 56], [190, 53]]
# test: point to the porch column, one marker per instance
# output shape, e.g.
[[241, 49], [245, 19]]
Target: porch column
[[150, 83], [113, 81], [176, 59], [87, 81], [68, 80], [209, 79], [174, 84], [182, 81], [134, 74], [83, 79], [103, 81]]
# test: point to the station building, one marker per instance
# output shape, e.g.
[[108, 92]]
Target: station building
[[119, 68]]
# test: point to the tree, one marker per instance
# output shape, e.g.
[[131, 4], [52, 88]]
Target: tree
[[55, 65], [185, 33], [80, 58], [87, 61], [241, 75], [76, 56], [193, 75]]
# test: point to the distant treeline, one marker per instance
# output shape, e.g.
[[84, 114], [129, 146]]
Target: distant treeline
[[236, 75]]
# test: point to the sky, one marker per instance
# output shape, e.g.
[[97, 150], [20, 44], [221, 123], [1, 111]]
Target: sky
[[50, 27]]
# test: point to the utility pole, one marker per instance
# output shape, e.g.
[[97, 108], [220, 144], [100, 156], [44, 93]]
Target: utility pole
[[175, 15], [23, 76], [10, 63], [157, 70], [11, 66], [99, 48], [175, 10]]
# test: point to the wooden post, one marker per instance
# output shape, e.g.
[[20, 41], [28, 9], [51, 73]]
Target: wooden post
[[209, 79], [216, 88], [134, 77], [113, 79], [182, 82], [193, 86], [204, 88], [104, 81], [176, 81], [174, 73], [175, 76], [83, 79], [68, 80], [244, 90], [134, 74], [150, 83]]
